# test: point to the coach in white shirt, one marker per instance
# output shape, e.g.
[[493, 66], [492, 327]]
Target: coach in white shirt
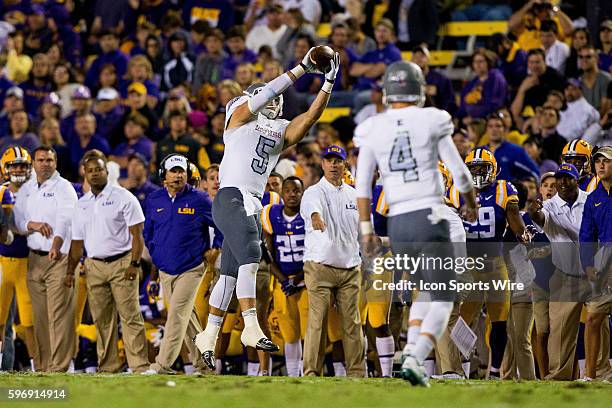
[[43, 209], [331, 263], [108, 222], [560, 217]]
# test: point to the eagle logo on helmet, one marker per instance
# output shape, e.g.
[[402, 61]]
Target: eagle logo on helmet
[[578, 152], [483, 167], [274, 108], [16, 155]]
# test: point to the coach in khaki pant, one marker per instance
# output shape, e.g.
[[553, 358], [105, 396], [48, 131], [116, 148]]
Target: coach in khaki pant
[[331, 265], [108, 222], [177, 235], [43, 209]]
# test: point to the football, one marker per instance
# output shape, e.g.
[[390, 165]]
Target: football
[[321, 56]]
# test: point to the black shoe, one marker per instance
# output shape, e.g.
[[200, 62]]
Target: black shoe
[[266, 345], [208, 357]]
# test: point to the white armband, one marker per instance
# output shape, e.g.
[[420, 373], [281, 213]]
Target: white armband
[[272, 89]]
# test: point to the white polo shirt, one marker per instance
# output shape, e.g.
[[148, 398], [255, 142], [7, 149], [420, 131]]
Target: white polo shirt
[[557, 55], [103, 221], [562, 227], [338, 245], [52, 202]]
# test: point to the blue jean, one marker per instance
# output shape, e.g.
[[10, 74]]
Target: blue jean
[[8, 345], [482, 12]]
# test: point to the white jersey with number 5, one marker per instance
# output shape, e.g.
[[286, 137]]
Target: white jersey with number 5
[[251, 151], [405, 144]]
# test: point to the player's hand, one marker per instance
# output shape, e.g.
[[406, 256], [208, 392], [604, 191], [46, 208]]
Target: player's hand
[[55, 254], [318, 223], [42, 227], [131, 273], [288, 287], [153, 289], [470, 214], [308, 65], [591, 273], [371, 244], [69, 280], [334, 66], [529, 82], [528, 234]]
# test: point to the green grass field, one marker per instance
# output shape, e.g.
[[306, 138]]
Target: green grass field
[[275, 392]]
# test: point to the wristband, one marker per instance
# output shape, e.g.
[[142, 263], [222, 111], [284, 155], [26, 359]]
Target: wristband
[[365, 227], [327, 86], [298, 71]]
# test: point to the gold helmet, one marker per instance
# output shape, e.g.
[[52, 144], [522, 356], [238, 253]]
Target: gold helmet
[[448, 179], [482, 166], [16, 155], [578, 152], [194, 175], [348, 178]]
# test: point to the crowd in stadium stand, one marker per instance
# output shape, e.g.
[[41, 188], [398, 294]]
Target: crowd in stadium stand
[[141, 79]]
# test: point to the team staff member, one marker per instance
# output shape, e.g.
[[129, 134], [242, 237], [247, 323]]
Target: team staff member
[[331, 264], [17, 168], [176, 234], [43, 210], [596, 227], [108, 222]]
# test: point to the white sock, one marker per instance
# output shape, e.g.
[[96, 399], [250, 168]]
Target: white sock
[[188, 368], [218, 366], [70, 366], [222, 292], [582, 366], [365, 356], [252, 369], [339, 370], [437, 317], [466, 368], [422, 348], [215, 320], [385, 347], [293, 355], [91, 370], [34, 368], [250, 318], [247, 281], [413, 336], [418, 311], [430, 366]]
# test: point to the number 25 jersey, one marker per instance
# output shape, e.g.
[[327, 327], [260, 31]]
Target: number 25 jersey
[[251, 150], [404, 143], [288, 237]]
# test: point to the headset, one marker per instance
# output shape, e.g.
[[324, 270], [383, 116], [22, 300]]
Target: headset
[[162, 169]]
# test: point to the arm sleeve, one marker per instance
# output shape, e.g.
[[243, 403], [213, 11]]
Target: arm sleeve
[[132, 212], [588, 234], [66, 202], [311, 203], [451, 158], [366, 165], [272, 89]]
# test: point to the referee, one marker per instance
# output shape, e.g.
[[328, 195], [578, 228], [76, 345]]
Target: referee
[[177, 235], [108, 222]]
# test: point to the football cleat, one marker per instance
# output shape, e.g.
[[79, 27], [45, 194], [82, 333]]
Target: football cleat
[[414, 372], [209, 359], [254, 337], [205, 343]]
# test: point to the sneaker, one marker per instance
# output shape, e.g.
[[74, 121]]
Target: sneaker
[[414, 372], [150, 371], [255, 338], [448, 376], [585, 379], [206, 347]]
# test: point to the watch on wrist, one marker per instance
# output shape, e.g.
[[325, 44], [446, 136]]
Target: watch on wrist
[[135, 264]]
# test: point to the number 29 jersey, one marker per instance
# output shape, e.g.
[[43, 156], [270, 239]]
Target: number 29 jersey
[[491, 223], [404, 143], [288, 237], [251, 150]]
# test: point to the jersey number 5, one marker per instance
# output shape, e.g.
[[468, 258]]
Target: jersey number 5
[[401, 158], [263, 150]]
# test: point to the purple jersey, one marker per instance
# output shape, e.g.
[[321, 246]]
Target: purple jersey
[[288, 237]]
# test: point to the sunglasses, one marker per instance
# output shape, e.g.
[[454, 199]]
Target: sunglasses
[[585, 56]]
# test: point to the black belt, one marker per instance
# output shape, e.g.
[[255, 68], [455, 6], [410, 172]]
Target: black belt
[[41, 253], [113, 258]]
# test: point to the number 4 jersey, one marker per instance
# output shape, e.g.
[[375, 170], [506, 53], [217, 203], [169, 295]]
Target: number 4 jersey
[[288, 237], [404, 144], [251, 151]]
